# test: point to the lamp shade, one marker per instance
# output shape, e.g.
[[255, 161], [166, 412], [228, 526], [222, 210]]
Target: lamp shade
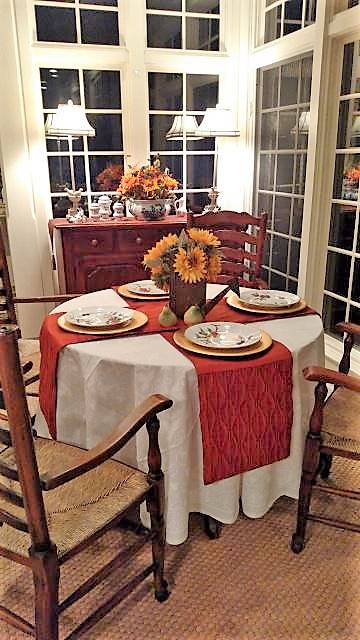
[[68, 120], [183, 124], [355, 130], [303, 124], [217, 122]]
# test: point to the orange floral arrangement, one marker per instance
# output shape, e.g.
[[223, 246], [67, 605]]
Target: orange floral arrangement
[[194, 255], [147, 182], [108, 179], [353, 173]]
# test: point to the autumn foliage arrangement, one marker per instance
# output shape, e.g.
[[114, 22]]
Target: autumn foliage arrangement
[[194, 256], [108, 178], [147, 182], [353, 173]]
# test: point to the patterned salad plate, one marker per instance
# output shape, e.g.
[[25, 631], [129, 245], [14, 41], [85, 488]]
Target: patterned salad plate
[[142, 290], [223, 335], [269, 298], [238, 303], [137, 320], [99, 317], [242, 351]]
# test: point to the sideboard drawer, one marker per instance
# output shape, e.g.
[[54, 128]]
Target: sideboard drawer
[[91, 242], [136, 240]]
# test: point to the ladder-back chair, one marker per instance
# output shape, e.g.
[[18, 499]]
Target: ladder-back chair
[[334, 431], [56, 499], [242, 249]]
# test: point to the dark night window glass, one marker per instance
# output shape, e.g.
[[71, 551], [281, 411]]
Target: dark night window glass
[[202, 34], [265, 201], [294, 258], [289, 83], [355, 293], [277, 282], [165, 91], [201, 91], [266, 172], [346, 182], [270, 88], [59, 170], [102, 89], [108, 129], [109, 3], [279, 253], [337, 273], [164, 31], [297, 217], [293, 16], [197, 201], [173, 163], [333, 312], [268, 136], [203, 6], [282, 214], [59, 86], [164, 5], [159, 126], [97, 164], [272, 24], [199, 171], [55, 24], [342, 226], [284, 173], [99, 27]]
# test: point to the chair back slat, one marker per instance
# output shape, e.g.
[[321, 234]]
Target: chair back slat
[[8, 313], [22, 440], [242, 238], [9, 471]]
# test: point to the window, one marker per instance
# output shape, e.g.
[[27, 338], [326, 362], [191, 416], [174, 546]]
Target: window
[[283, 114], [183, 24], [342, 283], [190, 161], [286, 16], [99, 93], [73, 22]]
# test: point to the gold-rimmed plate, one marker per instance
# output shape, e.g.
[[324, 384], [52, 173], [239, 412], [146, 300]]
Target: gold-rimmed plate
[[124, 291], [235, 302], [138, 320], [264, 343]]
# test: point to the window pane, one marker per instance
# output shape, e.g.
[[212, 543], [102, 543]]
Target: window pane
[[354, 316], [305, 79], [201, 91], [203, 6], [59, 171], [287, 127], [293, 16], [202, 34], [265, 204], [266, 172], [97, 165], [267, 249], [355, 293], [310, 11], [289, 83], [300, 173], [166, 5], [346, 177], [164, 31], [297, 217], [197, 201], [55, 24], [58, 86], [205, 144], [282, 211], [268, 130], [99, 27], [199, 173], [159, 126], [342, 226], [272, 24], [294, 258], [279, 253], [102, 89], [349, 124], [165, 91], [277, 281], [173, 163], [108, 132], [333, 312], [337, 273], [270, 78], [350, 81], [109, 3], [284, 174]]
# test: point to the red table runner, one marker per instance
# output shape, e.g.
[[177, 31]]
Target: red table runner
[[245, 404]]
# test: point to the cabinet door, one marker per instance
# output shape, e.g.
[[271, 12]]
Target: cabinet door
[[102, 276]]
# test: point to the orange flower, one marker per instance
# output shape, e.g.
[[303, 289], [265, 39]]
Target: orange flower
[[202, 236], [214, 267], [147, 182], [191, 265]]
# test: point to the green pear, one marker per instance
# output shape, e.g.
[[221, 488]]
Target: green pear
[[193, 315], [167, 318]]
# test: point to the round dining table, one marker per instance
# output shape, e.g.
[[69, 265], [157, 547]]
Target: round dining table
[[99, 382]]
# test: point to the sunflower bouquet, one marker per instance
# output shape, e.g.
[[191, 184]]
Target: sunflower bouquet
[[194, 256]]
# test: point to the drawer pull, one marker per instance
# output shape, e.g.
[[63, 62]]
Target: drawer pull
[[138, 240], [94, 242]]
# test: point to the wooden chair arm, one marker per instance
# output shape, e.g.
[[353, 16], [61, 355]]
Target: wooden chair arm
[[320, 374], [348, 327], [110, 445], [56, 298]]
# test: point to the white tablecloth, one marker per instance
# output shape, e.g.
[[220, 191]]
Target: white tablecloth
[[100, 382]]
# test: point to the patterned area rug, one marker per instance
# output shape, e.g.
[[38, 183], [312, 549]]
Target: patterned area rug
[[247, 585]]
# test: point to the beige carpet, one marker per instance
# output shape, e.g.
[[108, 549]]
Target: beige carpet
[[247, 585]]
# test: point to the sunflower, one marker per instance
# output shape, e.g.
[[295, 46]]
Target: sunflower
[[214, 266], [153, 256], [191, 264], [202, 236]]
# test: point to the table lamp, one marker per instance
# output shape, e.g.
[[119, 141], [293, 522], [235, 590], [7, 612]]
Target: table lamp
[[217, 123], [68, 122], [183, 125]]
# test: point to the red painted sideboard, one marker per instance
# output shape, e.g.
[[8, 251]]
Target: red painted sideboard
[[95, 255]]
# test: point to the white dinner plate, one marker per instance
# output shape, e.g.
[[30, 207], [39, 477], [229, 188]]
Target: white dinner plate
[[99, 316], [269, 298], [223, 335], [145, 288]]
